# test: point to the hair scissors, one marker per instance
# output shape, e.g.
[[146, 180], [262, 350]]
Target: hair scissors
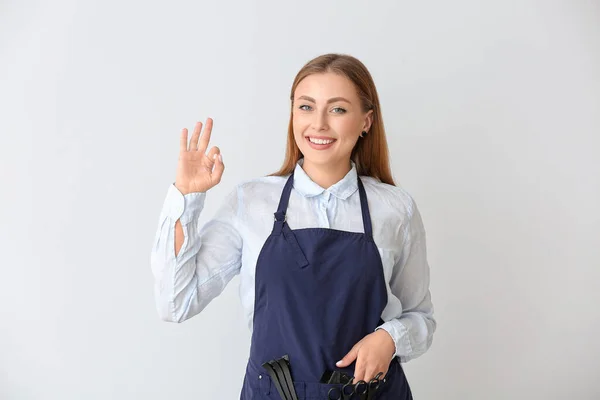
[[360, 388], [373, 386], [364, 390]]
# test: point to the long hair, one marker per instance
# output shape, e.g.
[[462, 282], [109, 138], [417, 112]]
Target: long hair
[[370, 153]]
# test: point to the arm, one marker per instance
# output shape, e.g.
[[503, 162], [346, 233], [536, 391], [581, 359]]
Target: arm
[[412, 332], [191, 270]]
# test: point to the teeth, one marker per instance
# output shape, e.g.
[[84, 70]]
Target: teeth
[[320, 141]]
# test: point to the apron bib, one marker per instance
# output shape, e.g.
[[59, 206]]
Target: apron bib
[[318, 291]]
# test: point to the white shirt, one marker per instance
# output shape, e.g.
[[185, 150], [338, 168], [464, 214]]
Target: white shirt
[[229, 243]]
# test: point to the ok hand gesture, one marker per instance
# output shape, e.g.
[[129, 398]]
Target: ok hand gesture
[[196, 170]]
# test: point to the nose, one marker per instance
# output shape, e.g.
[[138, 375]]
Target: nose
[[319, 121]]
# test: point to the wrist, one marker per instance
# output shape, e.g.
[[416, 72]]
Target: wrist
[[389, 341], [181, 189]]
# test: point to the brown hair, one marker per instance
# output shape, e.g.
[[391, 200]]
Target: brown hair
[[371, 153]]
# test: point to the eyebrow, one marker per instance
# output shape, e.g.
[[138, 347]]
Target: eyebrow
[[331, 100]]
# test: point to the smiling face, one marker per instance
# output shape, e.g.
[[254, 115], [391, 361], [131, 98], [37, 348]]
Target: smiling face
[[328, 118]]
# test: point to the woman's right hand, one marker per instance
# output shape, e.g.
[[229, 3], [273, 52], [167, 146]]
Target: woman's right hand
[[197, 171]]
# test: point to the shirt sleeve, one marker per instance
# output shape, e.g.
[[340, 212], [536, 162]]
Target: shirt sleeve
[[413, 330], [209, 258]]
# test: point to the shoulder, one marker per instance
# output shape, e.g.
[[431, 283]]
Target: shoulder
[[261, 185], [394, 198], [393, 210], [259, 196]]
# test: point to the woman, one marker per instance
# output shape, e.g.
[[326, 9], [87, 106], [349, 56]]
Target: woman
[[331, 253]]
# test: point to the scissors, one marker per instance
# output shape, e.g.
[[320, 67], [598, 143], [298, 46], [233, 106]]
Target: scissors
[[373, 386], [348, 390]]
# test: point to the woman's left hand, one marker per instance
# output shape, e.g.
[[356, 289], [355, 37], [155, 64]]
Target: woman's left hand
[[373, 354]]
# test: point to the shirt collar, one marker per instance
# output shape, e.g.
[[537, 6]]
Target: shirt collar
[[341, 189]]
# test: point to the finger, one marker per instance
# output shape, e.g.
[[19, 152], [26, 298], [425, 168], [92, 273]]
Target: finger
[[183, 140], [219, 168], [348, 358], [195, 136], [359, 371], [214, 151], [205, 135], [210, 159], [369, 373]]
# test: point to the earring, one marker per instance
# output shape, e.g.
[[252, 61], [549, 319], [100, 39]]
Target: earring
[[363, 133]]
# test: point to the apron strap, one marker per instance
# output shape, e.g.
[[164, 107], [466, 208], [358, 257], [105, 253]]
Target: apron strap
[[284, 199], [280, 224], [364, 206]]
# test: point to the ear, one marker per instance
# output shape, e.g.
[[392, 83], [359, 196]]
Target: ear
[[368, 121]]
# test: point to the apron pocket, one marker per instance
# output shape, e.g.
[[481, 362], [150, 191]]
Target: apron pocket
[[260, 382]]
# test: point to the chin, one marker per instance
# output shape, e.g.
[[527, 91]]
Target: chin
[[319, 159]]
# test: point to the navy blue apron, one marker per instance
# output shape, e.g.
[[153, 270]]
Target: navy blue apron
[[318, 292]]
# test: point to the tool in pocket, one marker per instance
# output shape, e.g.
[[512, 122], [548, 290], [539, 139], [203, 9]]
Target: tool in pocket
[[281, 375], [362, 389]]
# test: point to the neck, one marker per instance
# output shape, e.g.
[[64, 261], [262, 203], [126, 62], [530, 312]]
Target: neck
[[326, 175]]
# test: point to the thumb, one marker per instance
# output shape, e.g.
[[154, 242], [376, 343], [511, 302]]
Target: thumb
[[348, 358], [219, 168]]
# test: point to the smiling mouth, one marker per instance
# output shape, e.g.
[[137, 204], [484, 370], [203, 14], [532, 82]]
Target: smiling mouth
[[320, 141]]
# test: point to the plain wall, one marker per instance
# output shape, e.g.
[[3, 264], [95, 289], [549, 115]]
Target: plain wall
[[492, 111]]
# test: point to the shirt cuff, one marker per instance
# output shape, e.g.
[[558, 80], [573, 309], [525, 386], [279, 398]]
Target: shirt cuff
[[400, 336], [186, 208]]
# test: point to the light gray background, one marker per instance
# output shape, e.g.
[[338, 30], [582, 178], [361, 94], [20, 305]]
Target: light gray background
[[492, 111]]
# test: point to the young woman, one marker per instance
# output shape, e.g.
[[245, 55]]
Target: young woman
[[331, 253]]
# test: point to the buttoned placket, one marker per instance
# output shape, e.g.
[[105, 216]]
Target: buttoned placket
[[324, 205]]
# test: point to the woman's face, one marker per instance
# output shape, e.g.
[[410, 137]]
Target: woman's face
[[328, 118]]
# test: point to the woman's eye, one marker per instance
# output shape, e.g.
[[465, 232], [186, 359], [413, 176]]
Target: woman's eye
[[340, 110]]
